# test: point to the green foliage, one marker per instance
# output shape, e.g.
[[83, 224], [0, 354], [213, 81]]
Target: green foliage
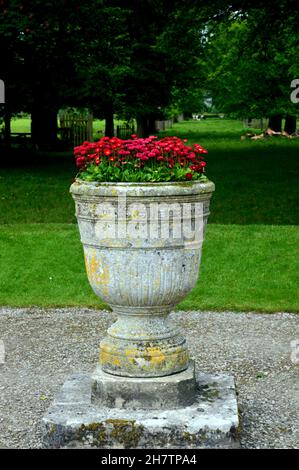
[[131, 174], [64, 54], [143, 58], [252, 60], [111, 57]]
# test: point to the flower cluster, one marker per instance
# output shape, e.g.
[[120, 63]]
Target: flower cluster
[[135, 159]]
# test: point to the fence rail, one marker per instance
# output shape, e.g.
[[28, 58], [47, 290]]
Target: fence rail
[[125, 132], [74, 130], [165, 124], [260, 123]]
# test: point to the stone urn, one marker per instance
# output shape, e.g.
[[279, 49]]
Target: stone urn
[[142, 247]]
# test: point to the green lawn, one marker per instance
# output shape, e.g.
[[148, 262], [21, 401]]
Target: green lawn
[[24, 125], [253, 267], [21, 125], [256, 182], [251, 248]]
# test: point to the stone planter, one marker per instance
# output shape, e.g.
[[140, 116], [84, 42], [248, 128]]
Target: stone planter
[[142, 247]]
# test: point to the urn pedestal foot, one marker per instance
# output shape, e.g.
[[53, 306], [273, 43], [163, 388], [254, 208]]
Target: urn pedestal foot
[[143, 343]]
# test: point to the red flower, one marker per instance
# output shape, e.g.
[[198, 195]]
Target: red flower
[[168, 152], [80, 161]]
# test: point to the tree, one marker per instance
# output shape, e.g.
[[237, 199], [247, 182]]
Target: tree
[[139, 58], [61, 53], [252, 60], [165, 45]]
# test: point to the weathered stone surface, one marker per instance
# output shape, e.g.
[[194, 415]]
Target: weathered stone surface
[[172, 391], [142, 246], [210, 422]]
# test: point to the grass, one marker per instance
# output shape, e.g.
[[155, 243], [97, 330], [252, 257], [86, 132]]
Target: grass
[[243, 268], [37, 191], [24, 125], [251, 248], [256, 181], [21, 125]]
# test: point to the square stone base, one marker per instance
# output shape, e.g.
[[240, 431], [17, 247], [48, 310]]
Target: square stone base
[[211, 421]]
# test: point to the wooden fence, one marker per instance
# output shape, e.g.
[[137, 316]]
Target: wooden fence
[[125, 132], [162, 125], [75, 130], [261, 123]]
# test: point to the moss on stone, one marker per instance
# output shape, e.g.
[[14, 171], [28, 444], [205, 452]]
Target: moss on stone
[[195, 438], [52, 429], [209, 393], [97, 430], [125, 432]]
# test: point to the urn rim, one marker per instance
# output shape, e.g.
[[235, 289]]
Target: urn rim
[[165, 188]]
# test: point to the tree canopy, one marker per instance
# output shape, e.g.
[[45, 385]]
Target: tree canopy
[[137, 58], [252, 60]]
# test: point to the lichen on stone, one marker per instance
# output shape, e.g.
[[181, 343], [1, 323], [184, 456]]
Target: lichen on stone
[[126, 432], [97, 430]]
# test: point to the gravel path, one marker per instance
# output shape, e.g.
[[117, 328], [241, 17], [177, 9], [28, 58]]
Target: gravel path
[[44, 346]]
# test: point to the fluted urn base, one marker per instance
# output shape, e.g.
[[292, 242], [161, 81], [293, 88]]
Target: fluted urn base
[[143, 343]]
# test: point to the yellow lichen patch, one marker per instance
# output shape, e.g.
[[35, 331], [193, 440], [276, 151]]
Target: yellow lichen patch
[[91, 263], [97, 271], [116, 361], [156, 355], [106, 359], [135, 214], [131, 352]]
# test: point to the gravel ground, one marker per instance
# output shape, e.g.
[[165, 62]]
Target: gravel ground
[[44, 346]]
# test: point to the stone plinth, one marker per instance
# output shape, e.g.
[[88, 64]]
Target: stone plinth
[[93, 410], [172, 391]]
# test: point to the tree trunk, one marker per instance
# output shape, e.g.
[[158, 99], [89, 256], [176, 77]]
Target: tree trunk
[[152, 124], [187, 115], [44, 126], [141, 126], [7, 124], [275, 122], [109, 122], [146, 125], [290, 124]]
